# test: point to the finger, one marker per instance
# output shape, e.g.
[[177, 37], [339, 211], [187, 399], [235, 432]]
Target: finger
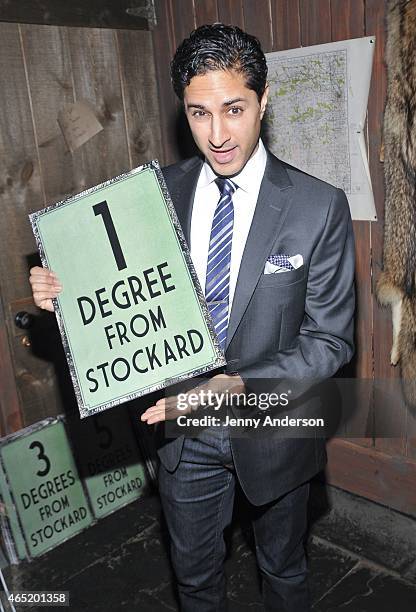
[[44, 287], [155, 410], [40, 271], [161, 401], [46, 305], [40, 296], [40, 283], [168, 403], [150, 411], [172, 411], [44, 280], [43, 274], [153, 417]]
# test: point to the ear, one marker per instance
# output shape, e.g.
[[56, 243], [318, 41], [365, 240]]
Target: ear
[[263, 101]]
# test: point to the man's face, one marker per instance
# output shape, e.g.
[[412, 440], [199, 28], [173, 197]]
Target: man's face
[[224, 117]]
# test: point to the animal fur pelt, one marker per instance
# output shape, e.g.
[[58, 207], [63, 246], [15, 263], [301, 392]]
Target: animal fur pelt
[[397, 283]]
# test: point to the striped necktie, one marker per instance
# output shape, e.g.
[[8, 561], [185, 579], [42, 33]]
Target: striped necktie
[[217, 284]]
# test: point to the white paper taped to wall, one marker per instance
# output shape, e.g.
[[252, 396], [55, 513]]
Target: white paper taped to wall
[[78, 124]]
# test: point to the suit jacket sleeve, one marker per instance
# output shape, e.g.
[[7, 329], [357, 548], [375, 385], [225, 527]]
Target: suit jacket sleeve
[[325, 339]]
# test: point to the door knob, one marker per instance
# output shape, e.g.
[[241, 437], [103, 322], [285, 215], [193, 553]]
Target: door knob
[[24, 320]]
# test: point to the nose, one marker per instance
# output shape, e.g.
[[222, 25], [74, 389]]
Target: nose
[[219, 133]]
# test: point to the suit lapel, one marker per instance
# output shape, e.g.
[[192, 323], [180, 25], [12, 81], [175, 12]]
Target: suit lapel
[[272, 206], [182, 193]]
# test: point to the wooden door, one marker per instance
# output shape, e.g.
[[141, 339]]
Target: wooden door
[[43, 69]]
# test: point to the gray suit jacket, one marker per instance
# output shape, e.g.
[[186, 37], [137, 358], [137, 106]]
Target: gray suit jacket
[[297, 324]]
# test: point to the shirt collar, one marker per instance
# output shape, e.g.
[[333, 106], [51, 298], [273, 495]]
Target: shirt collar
[[248, 179]]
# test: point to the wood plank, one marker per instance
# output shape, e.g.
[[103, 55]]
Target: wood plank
[[285, 24], [163, 45], [257, 21], [20, 184], [347, 19], [410, 443], [140, 96], [41, 369], [206, 11], [315, 22], [94, 13], [361, 365], [11, 418], [363, 358], [348, 22], [20, 194], [373, 474], [230, 12], [49, 70], [96, 78], [183, 19]]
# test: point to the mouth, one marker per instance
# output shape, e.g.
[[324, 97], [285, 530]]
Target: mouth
[[224, 156]]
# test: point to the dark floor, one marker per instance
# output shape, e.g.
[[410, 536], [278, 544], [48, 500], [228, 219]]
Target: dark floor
[[121, 564]]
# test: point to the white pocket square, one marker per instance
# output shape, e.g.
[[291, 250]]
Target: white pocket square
[[276, 264]]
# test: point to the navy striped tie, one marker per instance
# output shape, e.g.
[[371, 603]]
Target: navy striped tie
[[217, 284]]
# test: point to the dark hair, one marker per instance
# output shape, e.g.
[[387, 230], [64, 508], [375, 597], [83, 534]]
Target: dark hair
[[219, 47]]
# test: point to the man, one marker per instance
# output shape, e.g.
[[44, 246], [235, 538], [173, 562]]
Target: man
[[244, 213]]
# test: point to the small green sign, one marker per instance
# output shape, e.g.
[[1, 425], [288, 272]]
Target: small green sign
[[108, 460], [47, 492], [12, 534], [132, 315]]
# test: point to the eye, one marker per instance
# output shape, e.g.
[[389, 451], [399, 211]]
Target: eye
[[235, 110], [198, 113]]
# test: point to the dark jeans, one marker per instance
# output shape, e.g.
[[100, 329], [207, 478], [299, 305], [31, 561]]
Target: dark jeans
[[197, 500]]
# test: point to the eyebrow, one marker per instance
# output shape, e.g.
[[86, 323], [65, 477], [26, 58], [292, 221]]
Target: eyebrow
[[234, 101], [226, 103]]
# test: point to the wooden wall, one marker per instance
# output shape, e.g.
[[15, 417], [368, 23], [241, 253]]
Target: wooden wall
[[42, 69], [383, 469]]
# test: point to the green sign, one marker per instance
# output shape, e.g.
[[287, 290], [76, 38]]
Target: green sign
[[47, 492], [12, 535], [132, 315], [108, 460]]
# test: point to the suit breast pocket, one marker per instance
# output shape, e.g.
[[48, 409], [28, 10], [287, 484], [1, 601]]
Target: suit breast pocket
[[282, 279]]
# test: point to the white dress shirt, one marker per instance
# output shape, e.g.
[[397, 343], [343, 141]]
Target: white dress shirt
[[244, 199]]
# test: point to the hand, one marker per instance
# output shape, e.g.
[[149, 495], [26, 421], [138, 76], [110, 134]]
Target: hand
[[45, 286], [166, 408]]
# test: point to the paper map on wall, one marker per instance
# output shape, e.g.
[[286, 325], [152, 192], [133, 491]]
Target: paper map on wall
[[316, 115]]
